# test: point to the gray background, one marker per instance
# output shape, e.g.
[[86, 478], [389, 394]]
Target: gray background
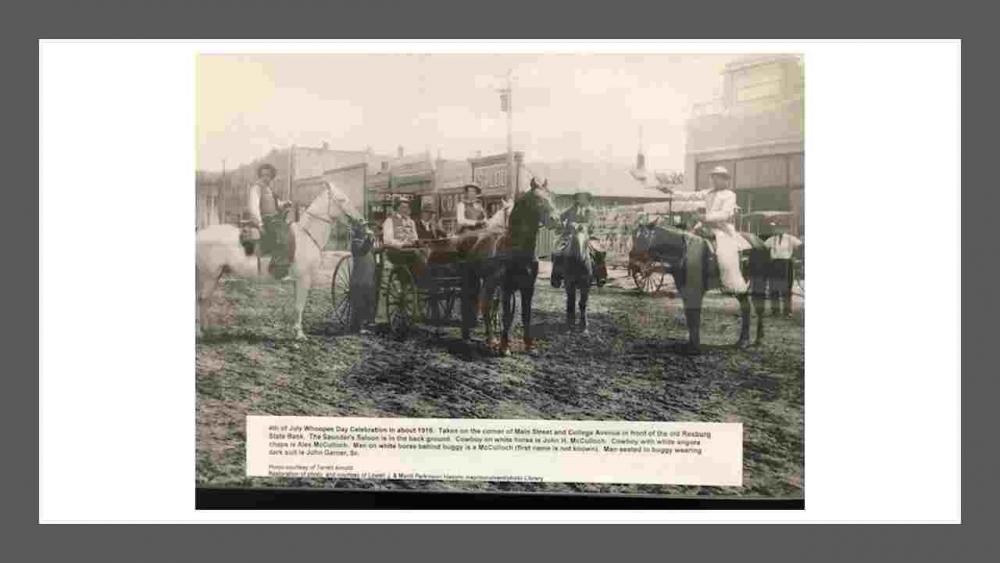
[[28, 22]]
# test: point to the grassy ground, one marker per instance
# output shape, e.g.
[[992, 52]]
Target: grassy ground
[[628, 368]]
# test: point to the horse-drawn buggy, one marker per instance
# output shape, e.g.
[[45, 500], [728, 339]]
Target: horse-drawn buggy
[[408, 284]]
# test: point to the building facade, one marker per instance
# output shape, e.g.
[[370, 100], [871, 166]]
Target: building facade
[[756, 130]]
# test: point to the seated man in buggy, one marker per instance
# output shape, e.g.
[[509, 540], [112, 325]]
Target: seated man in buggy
[[469, 212], [579, 216], [399, 237], [428, 228]]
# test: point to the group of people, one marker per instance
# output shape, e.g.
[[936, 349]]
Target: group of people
[[400, 229]]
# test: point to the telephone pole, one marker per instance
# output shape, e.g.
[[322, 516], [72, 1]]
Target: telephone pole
[[507, 105]]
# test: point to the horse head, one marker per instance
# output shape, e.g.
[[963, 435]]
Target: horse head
[[578, 247]]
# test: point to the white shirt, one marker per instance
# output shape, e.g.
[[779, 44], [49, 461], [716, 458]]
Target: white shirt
[[460, 215], [782, 246], [389, 232], [253, 203]]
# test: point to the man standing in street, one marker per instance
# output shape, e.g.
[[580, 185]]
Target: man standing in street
[[782, 246]]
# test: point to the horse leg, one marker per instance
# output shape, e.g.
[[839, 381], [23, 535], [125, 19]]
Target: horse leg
[[486, 306], [744, 320], [469, 295], [527, 294], [584, 294], [206, 284], [302, 283], [692, 315], [758, 295], [570, 303], [508, 316]]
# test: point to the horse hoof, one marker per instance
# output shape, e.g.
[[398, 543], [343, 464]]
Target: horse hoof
[[742, 344], [300, 336]]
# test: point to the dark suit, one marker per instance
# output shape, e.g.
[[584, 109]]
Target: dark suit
[[429, 231]]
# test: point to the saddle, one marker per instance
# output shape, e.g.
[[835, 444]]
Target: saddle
[[275, 240], [598, 254]]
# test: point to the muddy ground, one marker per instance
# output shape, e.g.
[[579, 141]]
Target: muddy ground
[[629, 368]]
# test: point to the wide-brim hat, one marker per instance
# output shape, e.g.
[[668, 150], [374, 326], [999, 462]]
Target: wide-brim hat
[[474, 186], [720, 171], [586, 195]]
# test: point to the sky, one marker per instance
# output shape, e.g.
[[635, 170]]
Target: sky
[[566, 106]]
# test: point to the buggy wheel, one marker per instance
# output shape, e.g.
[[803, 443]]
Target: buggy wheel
[[641, 276], [401, 303], [340, 293], [658, 277], [440, 306]]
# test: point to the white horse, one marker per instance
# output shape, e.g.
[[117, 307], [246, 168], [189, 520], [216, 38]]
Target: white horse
[[219, 252]]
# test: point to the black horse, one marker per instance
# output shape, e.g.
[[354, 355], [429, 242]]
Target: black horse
[[695, 271], [581, 266]]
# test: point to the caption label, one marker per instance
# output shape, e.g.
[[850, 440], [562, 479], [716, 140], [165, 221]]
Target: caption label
[[677, 453]]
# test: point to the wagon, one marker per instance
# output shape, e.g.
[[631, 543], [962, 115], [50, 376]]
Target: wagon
[[647, 270], [408, 291]]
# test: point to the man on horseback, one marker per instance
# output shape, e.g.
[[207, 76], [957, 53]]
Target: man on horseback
[[579, 216], [717, 223], [268, 232]]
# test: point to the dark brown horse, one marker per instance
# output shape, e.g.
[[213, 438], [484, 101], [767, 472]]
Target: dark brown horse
[[517, 269], [692, 263]]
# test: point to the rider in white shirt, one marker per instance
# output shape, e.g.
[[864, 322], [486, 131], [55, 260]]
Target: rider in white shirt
[[720, 207]]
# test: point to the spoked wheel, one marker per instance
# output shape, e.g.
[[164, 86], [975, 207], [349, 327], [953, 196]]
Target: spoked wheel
[[441, 307], [641, 277], [401, 302], [649, 277], [658, 276], [340, 292]]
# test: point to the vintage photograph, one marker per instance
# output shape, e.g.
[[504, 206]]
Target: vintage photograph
[[538, 237]]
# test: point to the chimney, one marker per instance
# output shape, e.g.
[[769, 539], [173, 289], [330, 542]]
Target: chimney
[[385, 166], [399, 151], [326, 146]]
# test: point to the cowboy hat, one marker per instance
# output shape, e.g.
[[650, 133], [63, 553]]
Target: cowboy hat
[[474, 186], [719, 171]]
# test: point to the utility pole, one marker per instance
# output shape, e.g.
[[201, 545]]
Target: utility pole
[[506, 104]]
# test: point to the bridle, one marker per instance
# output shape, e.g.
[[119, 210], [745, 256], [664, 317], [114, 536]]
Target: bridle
[[327, 220]]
